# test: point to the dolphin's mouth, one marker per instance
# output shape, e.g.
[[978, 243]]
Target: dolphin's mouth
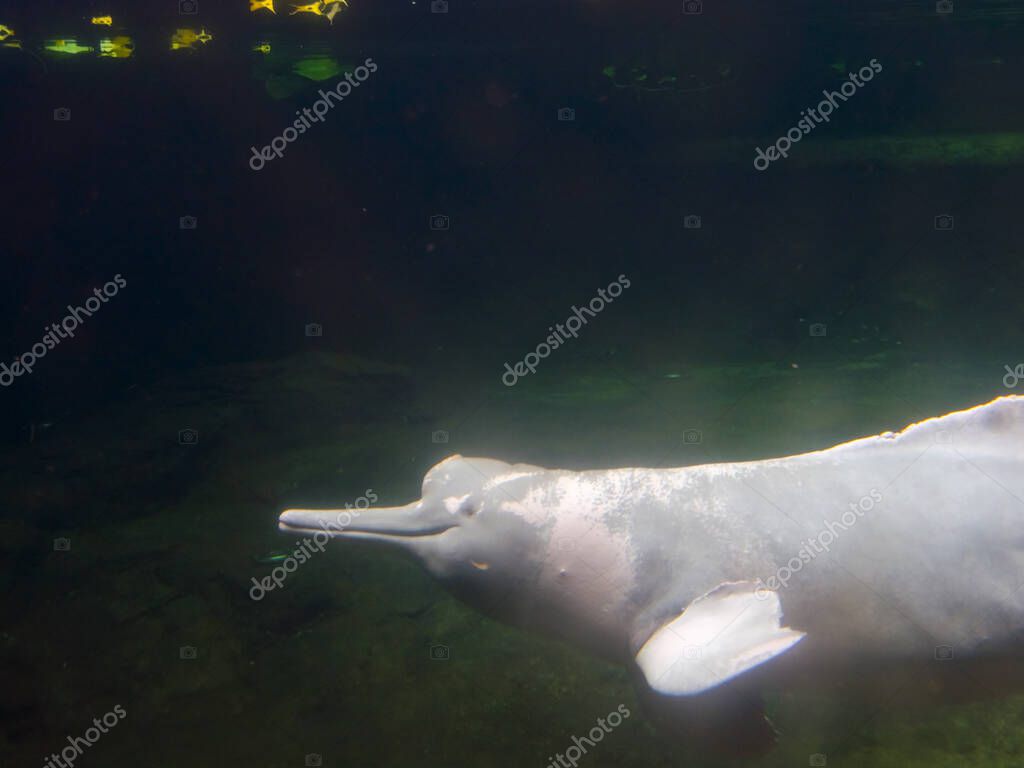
[[383, 523]]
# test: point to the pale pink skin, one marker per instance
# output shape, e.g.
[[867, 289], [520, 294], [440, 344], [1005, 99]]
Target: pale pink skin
[[605, 558]]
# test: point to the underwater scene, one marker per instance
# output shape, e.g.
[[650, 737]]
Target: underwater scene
[[535, 384]]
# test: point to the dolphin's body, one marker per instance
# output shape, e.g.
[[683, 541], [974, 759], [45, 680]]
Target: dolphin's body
[[900, 547]]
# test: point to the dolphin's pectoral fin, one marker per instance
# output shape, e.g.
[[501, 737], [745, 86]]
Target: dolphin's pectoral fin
[[721, 634]]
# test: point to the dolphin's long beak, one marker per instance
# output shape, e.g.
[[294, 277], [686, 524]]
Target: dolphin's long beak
[[393, 524]]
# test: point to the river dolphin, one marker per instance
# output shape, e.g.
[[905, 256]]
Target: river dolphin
[[904, 547]]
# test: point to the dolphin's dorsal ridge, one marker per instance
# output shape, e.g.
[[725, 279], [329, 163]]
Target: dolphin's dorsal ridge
[[732, 628]]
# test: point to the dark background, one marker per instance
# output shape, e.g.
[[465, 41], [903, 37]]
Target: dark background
[[460, 119]]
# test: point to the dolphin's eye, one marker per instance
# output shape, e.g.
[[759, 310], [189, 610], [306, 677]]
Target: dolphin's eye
[[468, 508]]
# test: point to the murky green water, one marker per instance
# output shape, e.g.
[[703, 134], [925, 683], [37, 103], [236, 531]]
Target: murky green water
[[435, 224], [338, 661]]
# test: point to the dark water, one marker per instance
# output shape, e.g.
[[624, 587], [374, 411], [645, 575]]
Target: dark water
[[433, 226]]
